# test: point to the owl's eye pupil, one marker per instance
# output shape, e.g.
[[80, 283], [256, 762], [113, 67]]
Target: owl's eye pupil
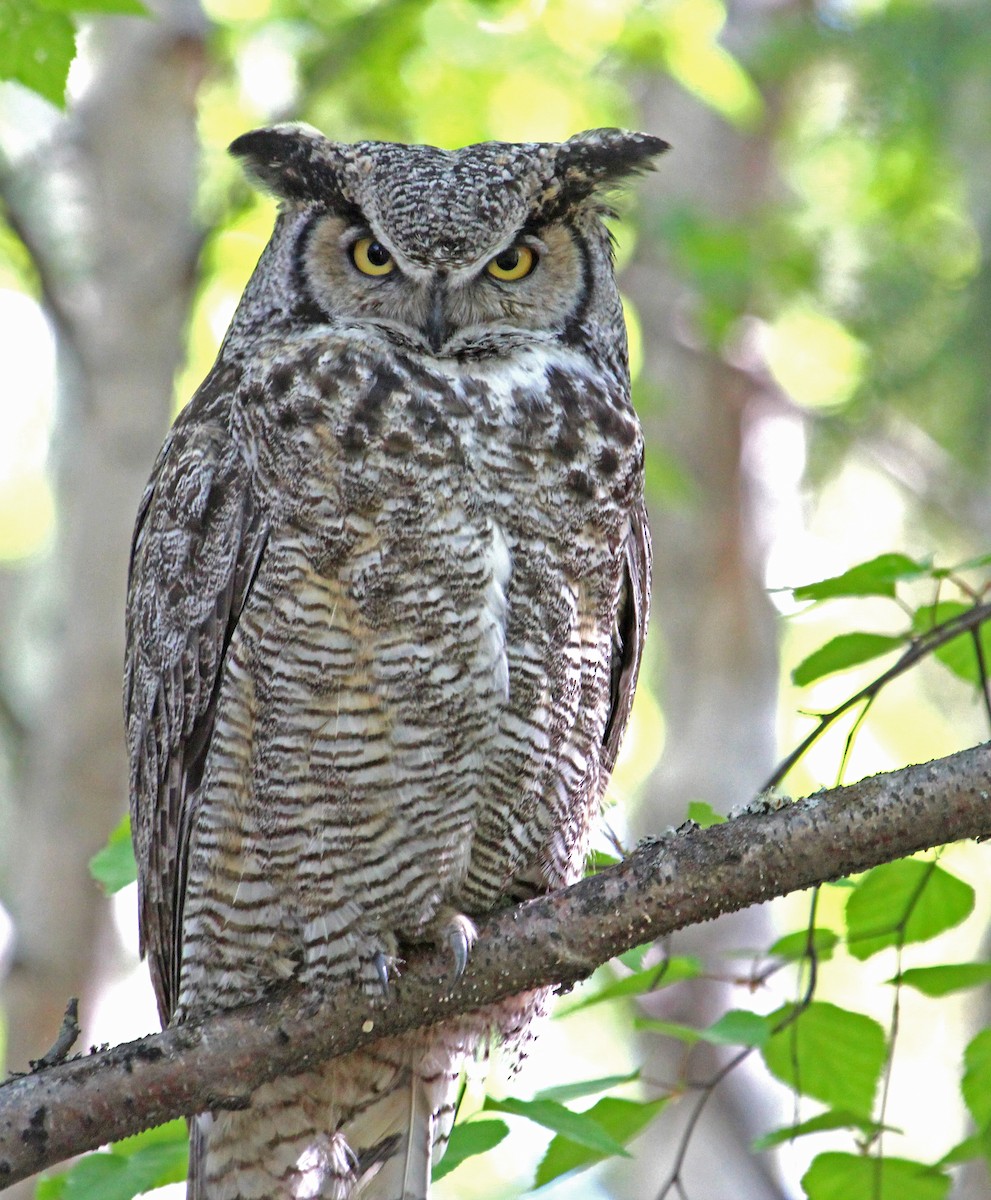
[[377, 254], [509, 259]]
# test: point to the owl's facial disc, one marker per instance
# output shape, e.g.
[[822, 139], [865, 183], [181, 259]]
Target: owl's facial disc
[[524, 289]]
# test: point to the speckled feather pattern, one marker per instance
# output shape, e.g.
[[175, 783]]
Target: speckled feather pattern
[[385, 615]]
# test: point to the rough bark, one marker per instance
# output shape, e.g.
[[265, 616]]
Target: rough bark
[[666, 884]]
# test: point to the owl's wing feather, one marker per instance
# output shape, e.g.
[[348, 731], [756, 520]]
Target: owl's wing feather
[[628, 634], [197, 545]]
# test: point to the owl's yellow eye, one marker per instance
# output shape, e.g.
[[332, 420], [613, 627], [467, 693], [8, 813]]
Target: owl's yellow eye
[[371, 257], [515, 263]]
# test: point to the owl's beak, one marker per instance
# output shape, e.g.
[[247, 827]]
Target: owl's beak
[[438, 329]]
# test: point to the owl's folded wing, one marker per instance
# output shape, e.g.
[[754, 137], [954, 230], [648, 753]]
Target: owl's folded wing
[[628, 634], [197, 545]]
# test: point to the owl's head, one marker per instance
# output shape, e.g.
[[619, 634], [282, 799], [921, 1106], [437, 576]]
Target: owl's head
[[452, 253]]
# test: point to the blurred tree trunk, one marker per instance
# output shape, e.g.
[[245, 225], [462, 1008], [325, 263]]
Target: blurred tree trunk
[[106, 210], [718, 663]]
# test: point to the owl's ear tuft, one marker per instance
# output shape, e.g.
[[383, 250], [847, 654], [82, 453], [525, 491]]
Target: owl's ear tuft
[[600, 157], [293, 162]]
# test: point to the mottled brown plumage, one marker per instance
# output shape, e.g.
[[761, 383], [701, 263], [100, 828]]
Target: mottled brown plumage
[[387, 600]]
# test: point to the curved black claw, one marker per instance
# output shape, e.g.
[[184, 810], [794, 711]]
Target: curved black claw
[[381, 962], [460, 936]]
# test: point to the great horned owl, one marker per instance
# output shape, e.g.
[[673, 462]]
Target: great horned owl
[[386, 607]]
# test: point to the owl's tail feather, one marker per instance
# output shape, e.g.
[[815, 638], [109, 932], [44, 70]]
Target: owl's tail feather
[[199, 1130], [364, 1127], [397, 1136]]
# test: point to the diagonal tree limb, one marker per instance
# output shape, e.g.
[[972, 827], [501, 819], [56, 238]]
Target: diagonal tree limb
[[665, 885]]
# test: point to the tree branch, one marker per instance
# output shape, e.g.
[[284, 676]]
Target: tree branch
[[665, 885]]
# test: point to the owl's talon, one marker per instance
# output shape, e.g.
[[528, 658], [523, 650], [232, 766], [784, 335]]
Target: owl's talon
[[382, 962], [460, 936]]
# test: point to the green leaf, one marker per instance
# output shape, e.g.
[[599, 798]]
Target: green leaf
[[976, 1082], [957, 655], [906, 901], [587, 1087], [114, 867], [836, 1176], [843, 651], [577, 1127], [50, 1187], [877, 577], [38, 47], [101, 1176], [794, 946], [949, 977], [39, 40], [633, 959], [671, 970], [135, 1165], [598, 861], [829, 1053], [621, 1119], [704, 814], [738, 1027], [172, 1133], [834, 1119], [468, 1139]]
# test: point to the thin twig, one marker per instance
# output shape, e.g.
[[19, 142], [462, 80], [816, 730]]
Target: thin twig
[[851, 737], [921, 646], [983, 670], [67, 1035], [709, 1087]]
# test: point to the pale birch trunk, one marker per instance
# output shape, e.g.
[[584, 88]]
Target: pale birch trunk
[[718, 669], [106, 208]]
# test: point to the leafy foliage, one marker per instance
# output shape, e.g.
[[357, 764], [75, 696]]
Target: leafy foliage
[[39, 40], [901, 902], [844, 650], [839, 1176], [469, 1138], [976, 1082], [962, 655], [113, 866], [620, 1120], [829, 1053], [805, 942], [135, 1165], [877, 577], [824, 1122], [944, 979], [704, 814]]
